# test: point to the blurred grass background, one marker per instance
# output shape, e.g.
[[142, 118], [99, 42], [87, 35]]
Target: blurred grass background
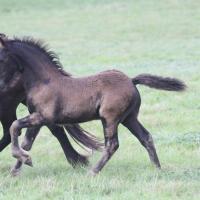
[[158, 37]]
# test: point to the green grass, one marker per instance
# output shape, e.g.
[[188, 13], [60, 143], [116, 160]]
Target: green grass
[[158, 37]]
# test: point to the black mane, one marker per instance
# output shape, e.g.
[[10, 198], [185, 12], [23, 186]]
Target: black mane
[[43, 48]]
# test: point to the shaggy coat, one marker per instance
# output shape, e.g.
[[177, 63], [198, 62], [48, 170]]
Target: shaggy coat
[[54, 97]]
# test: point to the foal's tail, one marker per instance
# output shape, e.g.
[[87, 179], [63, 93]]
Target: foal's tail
[[84, 138], [158, 82]]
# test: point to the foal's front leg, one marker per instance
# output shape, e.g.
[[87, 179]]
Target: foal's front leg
[[32, 120], [29, 138], [27, 143]]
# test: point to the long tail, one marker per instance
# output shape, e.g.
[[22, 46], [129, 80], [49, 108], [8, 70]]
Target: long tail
[[158, 82], [85, 138]]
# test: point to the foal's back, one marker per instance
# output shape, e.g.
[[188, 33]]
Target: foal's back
[[103, 82]]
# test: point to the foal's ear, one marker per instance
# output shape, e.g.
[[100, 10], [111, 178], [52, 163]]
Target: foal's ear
[[2, 43]]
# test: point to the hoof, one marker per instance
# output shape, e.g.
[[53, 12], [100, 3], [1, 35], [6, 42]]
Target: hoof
[[158, 166], [29, 162], [23, 157], [85, 161], [15, 172], [82, 160], [91, 173]]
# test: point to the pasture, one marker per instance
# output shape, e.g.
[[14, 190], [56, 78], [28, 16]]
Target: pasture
[[157, 37]]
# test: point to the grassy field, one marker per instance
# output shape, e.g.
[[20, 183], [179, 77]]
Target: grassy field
[[158, 37]]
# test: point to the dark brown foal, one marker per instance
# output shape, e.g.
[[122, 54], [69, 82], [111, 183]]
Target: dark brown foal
[[55, 97], [12, 93]]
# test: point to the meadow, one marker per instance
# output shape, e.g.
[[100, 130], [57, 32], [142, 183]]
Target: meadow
[[157, 37]]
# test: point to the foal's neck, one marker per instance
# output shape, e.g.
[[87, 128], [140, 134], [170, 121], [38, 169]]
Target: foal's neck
[[37, 68]]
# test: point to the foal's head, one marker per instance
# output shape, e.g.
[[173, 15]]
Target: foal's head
[[17, 54]]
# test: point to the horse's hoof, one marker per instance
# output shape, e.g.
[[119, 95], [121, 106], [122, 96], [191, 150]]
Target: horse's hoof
[[29, 162], [91, 173], [85, 161], [15, 172], [159, 167], [82, 160]]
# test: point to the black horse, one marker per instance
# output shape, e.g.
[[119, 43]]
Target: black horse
[[14, 94], [55, 97]]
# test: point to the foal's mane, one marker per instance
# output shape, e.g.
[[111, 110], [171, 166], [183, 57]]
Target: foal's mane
[[42, 48]]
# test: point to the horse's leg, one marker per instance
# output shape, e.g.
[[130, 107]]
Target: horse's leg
[[6, 123], [29, 137], [71, 154], [143, 136], [32, 120], [73, 157], [5, 140], [111, 145], [27, 143]]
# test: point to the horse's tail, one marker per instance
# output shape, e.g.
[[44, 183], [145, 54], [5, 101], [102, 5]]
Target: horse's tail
[[85, 138], [158, 82]]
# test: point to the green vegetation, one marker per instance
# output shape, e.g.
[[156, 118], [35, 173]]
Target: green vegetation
[[158, 37]]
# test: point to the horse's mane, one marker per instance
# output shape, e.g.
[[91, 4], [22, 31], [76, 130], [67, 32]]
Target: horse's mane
[[43, 48]]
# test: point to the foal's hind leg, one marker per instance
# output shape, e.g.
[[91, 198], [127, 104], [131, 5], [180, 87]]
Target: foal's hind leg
[[29, 138], [111, 145], [144, 137]]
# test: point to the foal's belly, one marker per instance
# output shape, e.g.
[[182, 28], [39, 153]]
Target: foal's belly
[[79, 119], [78, 106], [78, 113]]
